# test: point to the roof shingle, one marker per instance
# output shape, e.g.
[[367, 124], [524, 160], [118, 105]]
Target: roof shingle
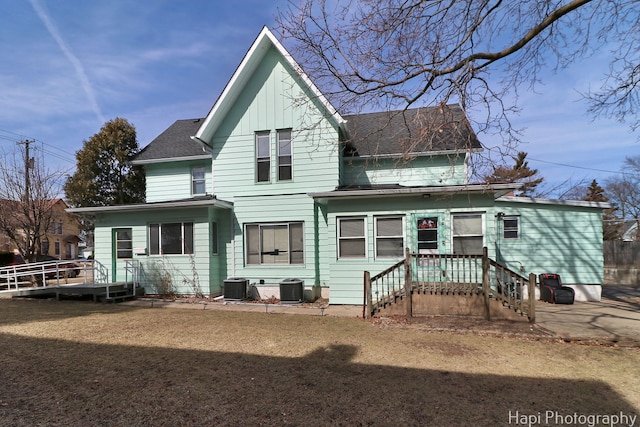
[[411, 131], [174, 142]]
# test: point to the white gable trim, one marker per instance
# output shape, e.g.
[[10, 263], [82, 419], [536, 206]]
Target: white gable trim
[[240, 77], [542, 201]]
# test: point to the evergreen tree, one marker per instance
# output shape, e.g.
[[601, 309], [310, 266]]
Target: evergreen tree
[[519, 172], [610, 222], [104, 176]]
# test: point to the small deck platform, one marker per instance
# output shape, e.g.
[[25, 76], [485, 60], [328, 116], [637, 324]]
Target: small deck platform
[[107, 292]]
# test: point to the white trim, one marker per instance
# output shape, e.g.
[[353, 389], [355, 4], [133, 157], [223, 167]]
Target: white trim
[[482, 221], [243, 73], [171, 159], [278, 154], [260, 225], [412, 154], [182, 238], [401, 217], [541, 201], [203, 180], [504, 228], [365, 235], [427, 190], [154, 206]]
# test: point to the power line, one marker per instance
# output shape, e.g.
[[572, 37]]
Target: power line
[[573, 166]]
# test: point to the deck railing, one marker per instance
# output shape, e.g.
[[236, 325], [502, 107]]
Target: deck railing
[[384, 287], [449, 274], [41, 274]]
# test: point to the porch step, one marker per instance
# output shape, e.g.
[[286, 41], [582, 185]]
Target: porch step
[[116, 295]]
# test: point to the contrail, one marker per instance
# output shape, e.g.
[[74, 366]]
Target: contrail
[[84, 80]]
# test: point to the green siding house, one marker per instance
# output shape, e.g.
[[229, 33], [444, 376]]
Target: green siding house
[[274, 183]]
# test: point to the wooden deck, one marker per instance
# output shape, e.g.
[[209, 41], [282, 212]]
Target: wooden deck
[[107, 292]]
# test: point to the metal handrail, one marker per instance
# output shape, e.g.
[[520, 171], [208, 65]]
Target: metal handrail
[[40, 270]]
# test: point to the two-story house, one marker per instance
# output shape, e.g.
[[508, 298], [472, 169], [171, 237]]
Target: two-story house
[[59, 235], [274, 183]]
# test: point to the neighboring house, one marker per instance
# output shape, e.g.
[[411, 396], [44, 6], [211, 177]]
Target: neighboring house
[[630, 231], [61, 237], [271, 186]]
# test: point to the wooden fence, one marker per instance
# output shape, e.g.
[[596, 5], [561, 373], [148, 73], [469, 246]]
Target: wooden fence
[[621, 254]]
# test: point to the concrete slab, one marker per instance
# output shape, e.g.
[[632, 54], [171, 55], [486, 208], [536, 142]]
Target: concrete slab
[[616, 318]]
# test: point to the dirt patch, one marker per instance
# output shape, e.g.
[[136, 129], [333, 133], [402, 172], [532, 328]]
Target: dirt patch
[[465, 325]]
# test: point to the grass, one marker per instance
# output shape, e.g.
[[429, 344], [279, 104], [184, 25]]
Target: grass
[[74, 363]]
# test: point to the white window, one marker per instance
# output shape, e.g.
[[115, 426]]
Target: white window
[[56, 228], [272, 244], [174, 238], [389, 237], [468, 234], [198, 180], [352, 242], [284, 155], [263, 157], [124, 243], [511, 227]]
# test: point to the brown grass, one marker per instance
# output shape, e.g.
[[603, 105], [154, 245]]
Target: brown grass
[[74, 363]]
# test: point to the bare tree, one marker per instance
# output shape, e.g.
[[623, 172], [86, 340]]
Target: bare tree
[[624, 190], [27, 194], [385, 54]]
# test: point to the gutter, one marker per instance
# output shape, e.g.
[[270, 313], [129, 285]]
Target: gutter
[[501, 189], [153, 206], [170, 159]]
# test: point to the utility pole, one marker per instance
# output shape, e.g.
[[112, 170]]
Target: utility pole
[[28, 164]]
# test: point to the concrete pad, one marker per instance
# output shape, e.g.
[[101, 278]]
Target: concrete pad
[[616, 318]]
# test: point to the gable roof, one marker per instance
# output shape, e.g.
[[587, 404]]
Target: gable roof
[[416, 131], [241, 76], [173, 144]]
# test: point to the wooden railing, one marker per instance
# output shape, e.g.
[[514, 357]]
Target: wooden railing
[[384, 287], [445, 274], [508, 287]]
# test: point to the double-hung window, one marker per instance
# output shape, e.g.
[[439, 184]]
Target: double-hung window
[[468, 234], [389, 237], [174, 238], [272, 244], [284, 155], [263, 157], [352, 242], [198, 181], [511, 227]]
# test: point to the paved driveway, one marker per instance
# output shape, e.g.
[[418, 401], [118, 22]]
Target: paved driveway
[[614, 319]]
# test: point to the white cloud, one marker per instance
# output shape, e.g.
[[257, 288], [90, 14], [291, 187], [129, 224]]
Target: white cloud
[[73, 59]]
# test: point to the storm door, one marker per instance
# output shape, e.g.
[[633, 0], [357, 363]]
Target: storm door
[[122, 251], [428, 269]]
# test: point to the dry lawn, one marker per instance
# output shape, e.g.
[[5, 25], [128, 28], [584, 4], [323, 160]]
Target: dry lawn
[[73, 363]]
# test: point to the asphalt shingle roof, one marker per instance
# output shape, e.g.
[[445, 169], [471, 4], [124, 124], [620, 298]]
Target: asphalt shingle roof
[[418, 130], [174, 142], [412, 131]]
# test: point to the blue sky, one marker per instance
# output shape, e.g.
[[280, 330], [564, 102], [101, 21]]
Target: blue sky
[[67, 66]]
